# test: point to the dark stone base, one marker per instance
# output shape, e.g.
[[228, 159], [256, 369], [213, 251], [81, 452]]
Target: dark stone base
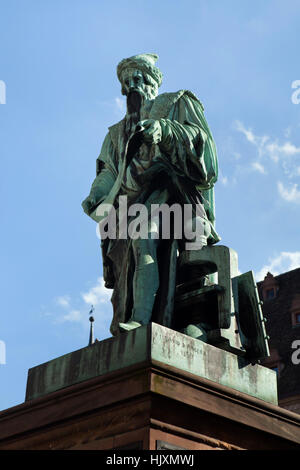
[[148, 405]]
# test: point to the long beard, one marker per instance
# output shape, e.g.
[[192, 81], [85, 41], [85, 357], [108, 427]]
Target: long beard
[[134, 103]]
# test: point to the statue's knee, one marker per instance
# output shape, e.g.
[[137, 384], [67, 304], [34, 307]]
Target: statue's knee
[[144, 249]]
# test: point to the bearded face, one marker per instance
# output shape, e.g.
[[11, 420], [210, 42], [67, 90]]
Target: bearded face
[[134, 81]]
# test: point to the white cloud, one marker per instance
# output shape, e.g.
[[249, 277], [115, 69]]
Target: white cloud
[[285, 261], [291, 194], [223, 179], [258, 141], [258, 167], [63, 301], [287, 149], [48, 314], [72, 316], [265, 146], [120, 104], [115, 105], [287, 132], [239, 126], [97, 294], [285, 154]]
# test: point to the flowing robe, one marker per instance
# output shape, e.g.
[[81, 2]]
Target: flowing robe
[[182, 168]]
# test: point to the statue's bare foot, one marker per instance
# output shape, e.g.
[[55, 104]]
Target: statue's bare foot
[[130, 325]]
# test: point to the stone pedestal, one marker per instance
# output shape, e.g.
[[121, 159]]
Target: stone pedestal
[[151, 388]]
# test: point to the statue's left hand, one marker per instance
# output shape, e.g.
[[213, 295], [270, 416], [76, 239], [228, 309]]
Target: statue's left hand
[[152, 132]]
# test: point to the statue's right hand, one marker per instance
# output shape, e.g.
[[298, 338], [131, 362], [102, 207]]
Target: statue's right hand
[[151, 131], [88, 204]]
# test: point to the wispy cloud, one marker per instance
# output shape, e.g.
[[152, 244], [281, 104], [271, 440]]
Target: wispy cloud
[[285, 261], [290, 194], [72, 316], [275, 151], [272, 155], [258, 141], [63, 301], [97, 295], [120, 104], [265, 146], [258, 167], [223, 179], [115, 105]]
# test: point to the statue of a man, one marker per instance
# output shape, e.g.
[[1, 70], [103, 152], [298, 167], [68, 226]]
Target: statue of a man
[[175, 162]]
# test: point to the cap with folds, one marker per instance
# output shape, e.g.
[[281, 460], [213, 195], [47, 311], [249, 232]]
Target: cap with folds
[[145, 63]]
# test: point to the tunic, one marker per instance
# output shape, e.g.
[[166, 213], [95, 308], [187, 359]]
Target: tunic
[[181, 169]]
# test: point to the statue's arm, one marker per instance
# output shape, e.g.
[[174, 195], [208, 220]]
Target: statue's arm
[[105, 178], [187, 141]]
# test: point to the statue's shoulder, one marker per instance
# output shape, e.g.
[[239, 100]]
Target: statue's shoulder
[[117, 126], [163, 103], [192, 95]]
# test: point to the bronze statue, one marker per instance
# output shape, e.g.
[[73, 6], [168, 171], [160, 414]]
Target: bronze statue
[[162, 155], [175, 161]]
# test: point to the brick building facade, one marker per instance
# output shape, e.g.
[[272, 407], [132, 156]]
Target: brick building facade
[[281, 307]]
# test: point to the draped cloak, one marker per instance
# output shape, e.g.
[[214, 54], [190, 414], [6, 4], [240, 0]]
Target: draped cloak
[[182, 168]]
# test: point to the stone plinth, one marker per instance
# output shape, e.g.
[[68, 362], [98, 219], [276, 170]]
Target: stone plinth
[[153, 344], [151, 388]]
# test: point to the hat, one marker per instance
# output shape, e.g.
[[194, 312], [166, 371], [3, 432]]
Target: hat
[[145, 63]]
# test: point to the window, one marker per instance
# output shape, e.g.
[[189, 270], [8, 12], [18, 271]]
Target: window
[[296, 318], [276, 367], [270, 286], [270, 294], [274, 362]]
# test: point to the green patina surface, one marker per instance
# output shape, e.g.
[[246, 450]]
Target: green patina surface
[[161, 152], [153, 343], [204, 360], [86, 363]]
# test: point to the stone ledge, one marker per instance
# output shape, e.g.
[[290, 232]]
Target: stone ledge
[[150, 344]]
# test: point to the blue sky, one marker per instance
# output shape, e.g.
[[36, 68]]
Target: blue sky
[[58, 61]]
